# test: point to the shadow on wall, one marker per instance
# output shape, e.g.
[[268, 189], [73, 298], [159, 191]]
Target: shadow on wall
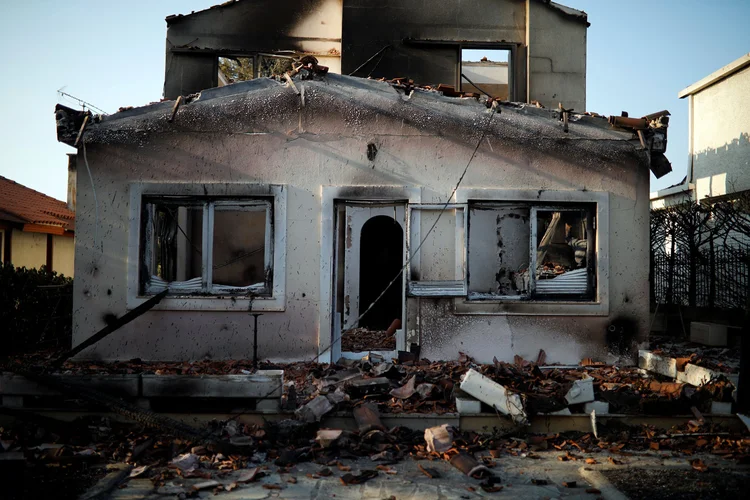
[[723, 170]]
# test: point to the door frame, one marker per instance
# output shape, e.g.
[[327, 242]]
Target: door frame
[[328, 350]]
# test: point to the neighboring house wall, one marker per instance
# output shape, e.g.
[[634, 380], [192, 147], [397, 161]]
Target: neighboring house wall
[[28, 249], [721, 136], [325, 143], [63, 255]]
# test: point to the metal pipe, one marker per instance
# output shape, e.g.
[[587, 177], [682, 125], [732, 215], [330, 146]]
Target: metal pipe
[[255, 341]]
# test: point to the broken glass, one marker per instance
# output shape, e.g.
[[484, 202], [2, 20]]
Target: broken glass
[[175, 234]]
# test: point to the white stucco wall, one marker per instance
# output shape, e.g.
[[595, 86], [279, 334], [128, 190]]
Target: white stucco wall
[[721, 136], [321, 144], [28, 249]]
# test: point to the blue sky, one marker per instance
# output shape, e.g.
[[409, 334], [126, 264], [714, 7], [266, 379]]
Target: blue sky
[[640, 54]]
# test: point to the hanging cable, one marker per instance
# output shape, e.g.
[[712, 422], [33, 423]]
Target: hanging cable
[[93, 190]]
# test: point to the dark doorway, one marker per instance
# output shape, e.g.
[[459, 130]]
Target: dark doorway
[[381, 258]]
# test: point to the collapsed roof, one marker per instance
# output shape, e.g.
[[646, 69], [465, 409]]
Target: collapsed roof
[[260, 105]]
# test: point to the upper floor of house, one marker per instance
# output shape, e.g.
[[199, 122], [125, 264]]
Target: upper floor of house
[[533, 50]]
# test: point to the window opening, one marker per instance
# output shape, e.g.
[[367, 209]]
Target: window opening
[[193, 246], [499, 250], [235, 69], [486, 71], [563, 239], [507, 240]]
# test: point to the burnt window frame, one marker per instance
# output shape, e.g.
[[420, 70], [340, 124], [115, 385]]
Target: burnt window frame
[[533, 295], [208, 205]]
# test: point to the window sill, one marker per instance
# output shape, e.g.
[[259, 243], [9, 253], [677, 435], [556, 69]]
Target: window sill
[[510, 307], [213, 303]]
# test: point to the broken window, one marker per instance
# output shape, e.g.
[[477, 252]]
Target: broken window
[[436, 246], [507, 240], [486, 71], [233, 69], [206, 246]]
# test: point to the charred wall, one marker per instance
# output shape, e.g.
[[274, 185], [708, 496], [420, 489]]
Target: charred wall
[[246, 27]]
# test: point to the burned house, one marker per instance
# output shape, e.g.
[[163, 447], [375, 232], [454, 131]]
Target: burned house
[[364, 214], [304, 201]]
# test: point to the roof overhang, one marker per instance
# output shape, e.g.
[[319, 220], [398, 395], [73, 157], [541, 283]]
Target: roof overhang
[[716, 76]]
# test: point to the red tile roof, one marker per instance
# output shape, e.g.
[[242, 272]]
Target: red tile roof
[[21, 204]]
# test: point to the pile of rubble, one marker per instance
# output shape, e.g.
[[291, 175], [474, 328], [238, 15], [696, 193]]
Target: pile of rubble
[[720, 359], [520, 390]]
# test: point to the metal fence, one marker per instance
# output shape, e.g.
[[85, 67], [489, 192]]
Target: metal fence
[[722, 278]]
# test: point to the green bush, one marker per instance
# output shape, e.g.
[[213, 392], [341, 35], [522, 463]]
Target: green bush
[[36, 309]]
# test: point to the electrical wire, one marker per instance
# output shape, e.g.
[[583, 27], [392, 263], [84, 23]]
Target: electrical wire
[[93, 190]]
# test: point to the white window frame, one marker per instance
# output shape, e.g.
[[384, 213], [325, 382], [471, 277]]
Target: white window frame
[[240, 194], [434, 288], [208, 207], [597, 306]]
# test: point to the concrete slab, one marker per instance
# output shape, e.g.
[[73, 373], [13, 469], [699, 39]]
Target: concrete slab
[[494, 395], [264, 383], [117, 385], [654, 363]]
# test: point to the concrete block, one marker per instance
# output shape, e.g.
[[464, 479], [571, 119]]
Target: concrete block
[[581, 392], [657, 364], [495, 395], [468, 406], [718, 408], [601, 407], [697, 376], [263, 383], [708, 333]]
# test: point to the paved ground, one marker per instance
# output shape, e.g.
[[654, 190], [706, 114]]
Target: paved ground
[[517, 476]]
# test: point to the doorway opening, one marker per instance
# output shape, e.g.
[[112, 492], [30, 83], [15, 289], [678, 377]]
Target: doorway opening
[[381, 253], [370, 255]]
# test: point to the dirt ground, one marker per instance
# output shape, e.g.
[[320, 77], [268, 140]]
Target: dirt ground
[[681, 483]]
